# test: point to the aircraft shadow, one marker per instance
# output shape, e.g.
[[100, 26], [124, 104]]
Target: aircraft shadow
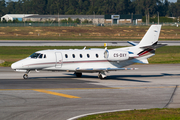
[[111, 77]]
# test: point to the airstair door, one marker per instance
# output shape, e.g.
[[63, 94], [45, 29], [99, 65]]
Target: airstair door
[[58, 60]]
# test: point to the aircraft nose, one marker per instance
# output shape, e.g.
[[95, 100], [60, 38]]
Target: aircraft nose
[[15, 66]]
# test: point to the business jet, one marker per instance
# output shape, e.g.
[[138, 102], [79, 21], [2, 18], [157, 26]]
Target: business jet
[[92, 60]]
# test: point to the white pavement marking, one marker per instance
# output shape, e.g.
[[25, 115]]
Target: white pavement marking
[[80, 116]]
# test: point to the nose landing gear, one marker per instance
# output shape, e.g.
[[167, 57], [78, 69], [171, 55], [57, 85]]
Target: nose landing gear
[[25, 76]]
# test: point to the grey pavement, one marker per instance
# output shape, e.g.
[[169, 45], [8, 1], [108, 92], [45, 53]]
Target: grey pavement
[[74, 43], [39, 97]]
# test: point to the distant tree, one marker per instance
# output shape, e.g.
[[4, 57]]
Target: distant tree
[[89, 7], [86, 21], [2, 7], [39, 6], [63, 21], [10, 7], [178, 8], [78, 21], [70, 20], [123, 7], [138, 7], [15, 21]]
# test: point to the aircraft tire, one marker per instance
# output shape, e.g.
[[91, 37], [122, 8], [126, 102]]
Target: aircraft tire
[[100, 76], [78, 74], [25, 76]]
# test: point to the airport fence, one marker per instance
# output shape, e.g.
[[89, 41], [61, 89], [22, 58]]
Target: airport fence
[[75, 24], [36, 24]]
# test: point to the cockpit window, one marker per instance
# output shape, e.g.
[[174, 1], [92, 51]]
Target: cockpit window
[[35, 55], [41, 56]]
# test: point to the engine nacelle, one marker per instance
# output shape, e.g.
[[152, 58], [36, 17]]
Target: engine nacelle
[[116, 55]]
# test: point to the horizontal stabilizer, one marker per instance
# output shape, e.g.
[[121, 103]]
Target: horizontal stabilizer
[[154, 46], [132, 43], [102, 69]]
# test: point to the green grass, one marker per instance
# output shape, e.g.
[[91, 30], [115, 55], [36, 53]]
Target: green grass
[[166, 55], [151, 114]]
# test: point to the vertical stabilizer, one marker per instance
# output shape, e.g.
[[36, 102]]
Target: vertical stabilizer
[[151, 36]]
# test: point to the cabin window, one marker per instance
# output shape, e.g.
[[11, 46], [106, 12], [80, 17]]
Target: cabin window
[[66, 56], [97, 55], [44, 55], [88, 55], [73, 55], [34, 55], [80, 55]]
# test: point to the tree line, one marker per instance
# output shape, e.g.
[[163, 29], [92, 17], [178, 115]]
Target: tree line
[[90, 7]]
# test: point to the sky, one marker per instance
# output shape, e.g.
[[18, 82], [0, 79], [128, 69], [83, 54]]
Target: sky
[[172, 0], [168, 0]]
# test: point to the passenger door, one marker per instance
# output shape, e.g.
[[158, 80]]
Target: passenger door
[[58, 60]]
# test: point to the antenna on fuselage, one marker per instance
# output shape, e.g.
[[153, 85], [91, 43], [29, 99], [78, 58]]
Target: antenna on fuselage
[[84, 48], [105, 45]]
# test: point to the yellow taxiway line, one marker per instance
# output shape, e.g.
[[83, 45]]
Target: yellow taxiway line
[[47, 91], [55, 93]]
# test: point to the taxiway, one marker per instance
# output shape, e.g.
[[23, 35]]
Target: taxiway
[[60, 95], [74, 43]]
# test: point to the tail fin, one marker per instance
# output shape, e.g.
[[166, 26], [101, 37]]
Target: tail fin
[[151, 37]]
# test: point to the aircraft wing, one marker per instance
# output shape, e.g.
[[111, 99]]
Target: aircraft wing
[[102, 69]]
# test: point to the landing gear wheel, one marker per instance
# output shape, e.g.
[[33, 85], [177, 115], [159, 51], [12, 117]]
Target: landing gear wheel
[[78, 74], [101, 75], [25, 76]]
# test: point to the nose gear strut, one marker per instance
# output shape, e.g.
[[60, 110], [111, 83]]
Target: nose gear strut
[[25, 76]]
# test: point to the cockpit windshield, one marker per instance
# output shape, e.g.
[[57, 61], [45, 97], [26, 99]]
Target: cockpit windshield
[[34, 55]]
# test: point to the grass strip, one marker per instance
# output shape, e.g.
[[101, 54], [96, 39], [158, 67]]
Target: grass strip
[[10, 54], [149, 114]]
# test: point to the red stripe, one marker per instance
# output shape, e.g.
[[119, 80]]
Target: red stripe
[[85, 61], [69, 62], [146, 52]]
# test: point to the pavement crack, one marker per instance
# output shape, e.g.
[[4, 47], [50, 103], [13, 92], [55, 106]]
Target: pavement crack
[[171, 98]]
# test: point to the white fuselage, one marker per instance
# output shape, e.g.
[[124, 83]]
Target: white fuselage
[[70, 60]]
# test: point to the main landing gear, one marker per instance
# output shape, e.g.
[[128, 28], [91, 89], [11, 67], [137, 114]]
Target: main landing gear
[[102, 75], [25, 76], [78, 74]]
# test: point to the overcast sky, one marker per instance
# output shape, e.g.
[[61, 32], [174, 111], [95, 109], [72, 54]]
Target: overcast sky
[[168, 0]]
